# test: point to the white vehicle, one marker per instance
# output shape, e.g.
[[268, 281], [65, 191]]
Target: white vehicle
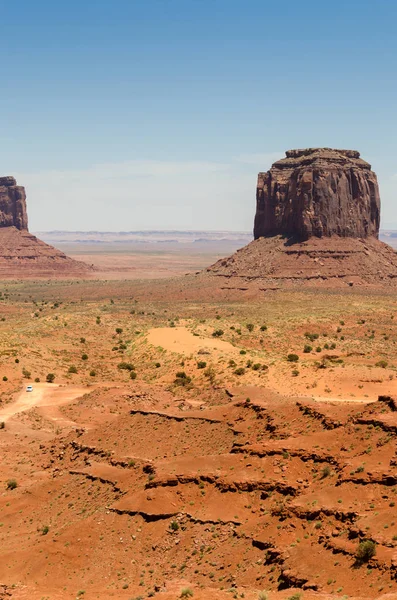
[[29, 388]]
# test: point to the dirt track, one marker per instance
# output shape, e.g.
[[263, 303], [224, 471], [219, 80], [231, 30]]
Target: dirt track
[[46, 395]]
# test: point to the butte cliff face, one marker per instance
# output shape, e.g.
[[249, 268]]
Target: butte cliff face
[[12, 204], [318, 192], [21, 253]]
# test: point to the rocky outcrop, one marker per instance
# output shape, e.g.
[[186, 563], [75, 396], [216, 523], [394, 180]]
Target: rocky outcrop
[[318, 192], [12, 204], [21, 253]]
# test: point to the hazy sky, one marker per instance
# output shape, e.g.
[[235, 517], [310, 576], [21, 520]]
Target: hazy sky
[[158, 114]]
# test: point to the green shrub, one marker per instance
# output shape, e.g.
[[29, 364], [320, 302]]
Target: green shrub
[[50, 377], [26, 373], [292, 357], [186, 593], [72, 369], [11, 484], [217, 333], [5, 378], [201, 364], [92, 373], [125, 366], [381, 363], [45, 529], [133, 375], [182, 379], [263, 327], [365, 551], [37, 380], [119, 330], [2, 425], [312, 336], [82, 340], [307, 349], [174, 525], [239, 371], [250, 327], [84, 357]]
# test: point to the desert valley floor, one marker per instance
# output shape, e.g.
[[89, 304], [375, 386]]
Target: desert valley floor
[[183, 442]]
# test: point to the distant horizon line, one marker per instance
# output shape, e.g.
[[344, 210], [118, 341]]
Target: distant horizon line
[[236, 231]]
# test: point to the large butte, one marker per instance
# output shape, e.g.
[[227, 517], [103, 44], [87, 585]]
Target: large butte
[[22, 255], [317, 222]]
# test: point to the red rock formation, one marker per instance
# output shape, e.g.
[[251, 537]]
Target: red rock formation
[[12, 204], [318, 192], [22, 254]]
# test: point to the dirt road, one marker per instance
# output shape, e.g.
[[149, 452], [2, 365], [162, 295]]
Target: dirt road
[[46, 395]]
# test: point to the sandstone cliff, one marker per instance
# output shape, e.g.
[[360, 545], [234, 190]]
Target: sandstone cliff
[[318, 192], [12, 204]]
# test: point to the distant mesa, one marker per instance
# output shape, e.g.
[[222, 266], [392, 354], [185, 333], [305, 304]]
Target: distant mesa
[[21, 253], [317, 221]]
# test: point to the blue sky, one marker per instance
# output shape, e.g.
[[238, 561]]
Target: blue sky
[[158, 114]]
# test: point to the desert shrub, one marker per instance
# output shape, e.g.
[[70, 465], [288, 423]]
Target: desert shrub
[[307, 348], [26, 373], [217, 333], [381, 363], [98, 320], [249, 363], [186, 593], [292, 357], [45, 529], [17, 360], [262, 596], [182, 379], [37, 380], [82, 340], [72, 369], [157, 365], [311, 336], [263, 327], [239, 371], [133, 375], [92, 373], [50, 378], [119, 330], [125, 366], [84, 357], [296, 596], [365, 551], [174, 525], [11, 484], [250, 327], [256, 366], [318, 349], [5, 378], [242, 352], [295, 372], [210, 373], [326, 472], [2, 425], [201, 364]]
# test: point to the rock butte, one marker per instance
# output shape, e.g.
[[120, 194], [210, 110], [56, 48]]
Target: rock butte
[[316, 222], [21, 253]]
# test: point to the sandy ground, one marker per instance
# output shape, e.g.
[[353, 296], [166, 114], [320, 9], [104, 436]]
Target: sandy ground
[[182, 341]]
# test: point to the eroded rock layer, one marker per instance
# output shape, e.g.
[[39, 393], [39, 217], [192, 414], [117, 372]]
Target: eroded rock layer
[[318, 192]]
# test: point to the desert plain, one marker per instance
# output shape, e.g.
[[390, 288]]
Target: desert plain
[[184, 440]]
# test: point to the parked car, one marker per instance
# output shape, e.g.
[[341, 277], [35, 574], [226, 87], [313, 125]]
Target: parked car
[[29, 388]]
